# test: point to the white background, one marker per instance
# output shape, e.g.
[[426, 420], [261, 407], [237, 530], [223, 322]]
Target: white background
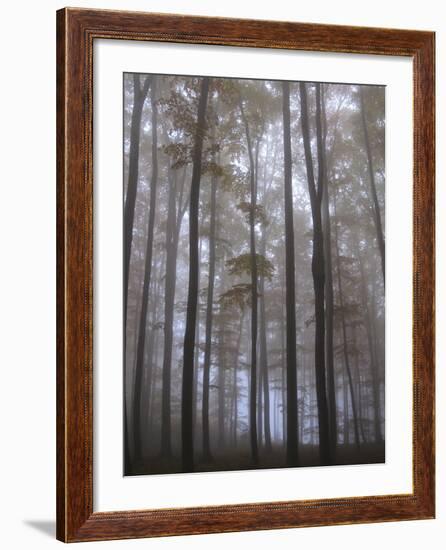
[[27, 399]]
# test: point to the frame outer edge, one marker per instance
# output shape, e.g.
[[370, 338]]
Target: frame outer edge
[[60, 276], [425, 179], [75, 518], [74, 276]]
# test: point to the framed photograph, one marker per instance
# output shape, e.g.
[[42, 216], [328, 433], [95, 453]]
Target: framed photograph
[[245, 275]]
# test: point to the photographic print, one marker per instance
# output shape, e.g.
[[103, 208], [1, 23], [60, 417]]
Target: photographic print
[[253, 274]]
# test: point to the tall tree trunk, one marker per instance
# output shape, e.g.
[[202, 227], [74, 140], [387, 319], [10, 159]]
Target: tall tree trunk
[[264, 354], [254, 294], [318, 270], [221, 383], [359, 385], [197, 350], [283, 359], [329, 304], [373, 359], [291, 359], [207, 456], [236, 367], [173, 229], [169, 302], [139, 367], [192, 297], [376, 208], [150, 352], [344, 332], [260, 401], [139, 97], [346, 416]]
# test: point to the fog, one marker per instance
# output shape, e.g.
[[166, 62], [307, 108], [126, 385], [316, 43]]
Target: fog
[[254, 274]]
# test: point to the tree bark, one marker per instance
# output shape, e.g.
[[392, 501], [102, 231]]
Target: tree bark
[[207, 456], [173, 229], [318, 271], [329, 305], [169, 301], [373, 360], [376, 207], [139, 96], [344, 334], [264, 355], [254, 295], [291, 358], [192, 298], [139, 367]]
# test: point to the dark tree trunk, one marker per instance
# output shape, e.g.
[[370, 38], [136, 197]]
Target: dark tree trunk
[[291, 359], [264, 355], [376, 208], [169, 302], [318, 271], [192, 298], [263, 323], [197, 350], [139, 367], [236, 367], [173, 229], [359, 385], [207, 456], [254, 295], [221, 383], [283, 365], [372, 354], [329, 306], [346, 417], [149, 354], [260, 401], [139, 96], [344, 333]]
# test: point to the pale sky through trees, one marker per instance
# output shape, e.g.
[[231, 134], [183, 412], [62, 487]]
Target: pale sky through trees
[[254, 273]]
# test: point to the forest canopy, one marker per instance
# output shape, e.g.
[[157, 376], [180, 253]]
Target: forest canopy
[[254, 273]]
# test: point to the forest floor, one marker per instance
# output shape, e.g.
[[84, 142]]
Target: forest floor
[[240, 459]]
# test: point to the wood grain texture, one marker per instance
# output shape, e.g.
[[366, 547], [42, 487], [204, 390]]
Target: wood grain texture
[[76, 31]]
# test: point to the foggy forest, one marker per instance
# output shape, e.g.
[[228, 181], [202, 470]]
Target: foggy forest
[[254, 274]]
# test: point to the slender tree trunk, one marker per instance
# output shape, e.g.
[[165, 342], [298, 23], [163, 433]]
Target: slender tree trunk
[[318, 270], [221, 382], [150, 351], [264, 355], [283, 368], [139, 367], [344, 333], [236, 367], [169, 302], [373, 359], [254, 295], [192, 298], [291, 359], [207, 456], [139, 97], [260, 402], [376, 208], [329, 304], [197, 349], [346, 432], [173, 229], [360, 385]]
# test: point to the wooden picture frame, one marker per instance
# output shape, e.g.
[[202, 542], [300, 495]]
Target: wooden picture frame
[[76, 31]]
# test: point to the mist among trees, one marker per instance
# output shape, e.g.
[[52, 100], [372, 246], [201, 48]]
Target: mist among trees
[[254, 274]]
